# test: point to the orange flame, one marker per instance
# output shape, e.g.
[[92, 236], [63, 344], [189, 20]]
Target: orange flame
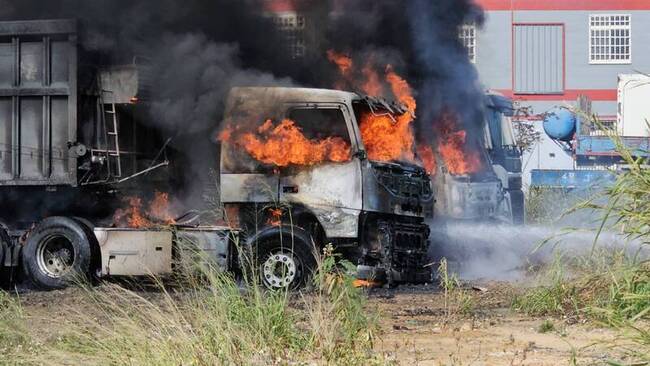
[[372, 84], [453, 149], [385, 138], [428, 158], [131, 216], [343, 62], [284, 144], [275, 217], [135, 217], [159, 208]]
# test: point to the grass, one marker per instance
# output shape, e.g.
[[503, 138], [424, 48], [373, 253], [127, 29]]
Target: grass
[[555, 294], [457, 300], [544, 205], [546, 326], [14, 338], [549, 205], [610, 287], [205, 318]]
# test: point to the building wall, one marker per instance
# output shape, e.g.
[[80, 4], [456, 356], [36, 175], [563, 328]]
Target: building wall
[[494, 60], [301, 21]]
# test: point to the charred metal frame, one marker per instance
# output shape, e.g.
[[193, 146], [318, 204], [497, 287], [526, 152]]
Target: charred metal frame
[[376, 219]]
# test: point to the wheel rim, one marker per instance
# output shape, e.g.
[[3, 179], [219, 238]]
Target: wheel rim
[[55, 256], [280, 270]]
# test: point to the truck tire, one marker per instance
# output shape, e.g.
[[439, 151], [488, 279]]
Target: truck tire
[[285, 258], [57, 253], [95, 252]]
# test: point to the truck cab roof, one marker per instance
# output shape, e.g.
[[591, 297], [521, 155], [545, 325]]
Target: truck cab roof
[[268, 98], [293, 94]]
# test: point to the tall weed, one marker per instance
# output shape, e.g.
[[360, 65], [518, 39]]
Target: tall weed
[[209, 318], [611, 287]]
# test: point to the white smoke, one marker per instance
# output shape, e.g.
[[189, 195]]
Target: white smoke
[[504, 252]]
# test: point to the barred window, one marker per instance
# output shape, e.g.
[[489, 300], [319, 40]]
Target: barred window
[[292, 26], [289, 21], [467, 35], [610, 39]]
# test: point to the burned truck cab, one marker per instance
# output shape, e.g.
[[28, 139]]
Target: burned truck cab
[[295, 176]]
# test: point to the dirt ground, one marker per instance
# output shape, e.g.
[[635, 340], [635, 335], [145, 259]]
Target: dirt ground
[[418, 328]]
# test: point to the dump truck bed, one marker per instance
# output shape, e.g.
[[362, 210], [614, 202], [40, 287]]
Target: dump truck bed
[[38, 102]]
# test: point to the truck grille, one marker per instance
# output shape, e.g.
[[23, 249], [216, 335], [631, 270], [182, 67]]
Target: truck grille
[[405, 186]]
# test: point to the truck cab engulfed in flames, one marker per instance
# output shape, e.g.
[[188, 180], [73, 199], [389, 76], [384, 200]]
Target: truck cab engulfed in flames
[[492, 192], [294, 157]]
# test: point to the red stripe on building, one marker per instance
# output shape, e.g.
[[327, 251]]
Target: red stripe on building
[[606, 95], [564, 4], [277, 6]]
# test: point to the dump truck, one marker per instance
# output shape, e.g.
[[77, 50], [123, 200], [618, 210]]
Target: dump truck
[[76, 142], [72, 145]]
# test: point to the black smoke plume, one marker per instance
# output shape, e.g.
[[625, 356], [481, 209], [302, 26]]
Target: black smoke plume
[[420, 38], [198, 49]]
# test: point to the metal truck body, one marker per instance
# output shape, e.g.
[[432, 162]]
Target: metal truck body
[[633, 110], [494, 192], [74, 143], [70, 140], [372, 210], [505, 155]]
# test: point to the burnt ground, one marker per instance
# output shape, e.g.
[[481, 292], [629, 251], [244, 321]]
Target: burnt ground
[[418, 327]]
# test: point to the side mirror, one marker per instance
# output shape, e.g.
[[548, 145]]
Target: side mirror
[[361, 154]]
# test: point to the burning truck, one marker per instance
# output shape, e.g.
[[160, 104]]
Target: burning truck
[[74, 152], [295, 173], [480, 179], [299, 169]]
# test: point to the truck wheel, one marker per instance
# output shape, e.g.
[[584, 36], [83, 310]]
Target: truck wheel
[[285, 259], [57, 253], [95, 252]]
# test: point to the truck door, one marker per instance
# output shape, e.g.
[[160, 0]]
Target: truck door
[[331, 190]]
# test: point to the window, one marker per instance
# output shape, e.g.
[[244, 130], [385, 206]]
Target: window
[[467, 36], [292, 26], [289, 21], [320, 123], [538, 58], [300, 22], [609, 39]]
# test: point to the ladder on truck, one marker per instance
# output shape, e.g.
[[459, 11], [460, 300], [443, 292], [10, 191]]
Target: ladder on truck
[[113, 153], [108, 153]]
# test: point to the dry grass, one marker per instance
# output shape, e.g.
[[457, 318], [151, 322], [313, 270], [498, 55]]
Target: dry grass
[[458, 301], [205, 318]]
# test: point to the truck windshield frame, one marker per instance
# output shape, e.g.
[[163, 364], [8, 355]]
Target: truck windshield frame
[[324, 122]]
